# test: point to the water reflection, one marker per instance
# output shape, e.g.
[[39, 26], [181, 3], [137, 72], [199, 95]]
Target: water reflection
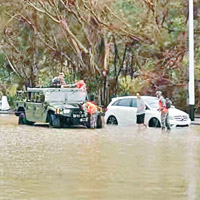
[[112, 163]]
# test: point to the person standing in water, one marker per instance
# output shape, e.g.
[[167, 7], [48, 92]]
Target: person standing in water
[[141, 107], [163, 108]]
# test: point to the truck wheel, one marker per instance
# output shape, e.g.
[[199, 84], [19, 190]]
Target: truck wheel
[[55, 121], [99, 122], [88, 121], [30, 123], [23, 120]]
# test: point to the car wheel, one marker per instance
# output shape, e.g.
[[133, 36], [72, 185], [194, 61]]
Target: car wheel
[[55, 121], [154, 122], [112, 120], [99, 122]]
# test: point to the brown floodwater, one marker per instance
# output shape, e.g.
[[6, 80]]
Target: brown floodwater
[[113, 163]]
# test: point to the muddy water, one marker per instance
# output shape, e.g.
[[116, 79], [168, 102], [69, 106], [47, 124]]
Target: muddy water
[[114, 163]]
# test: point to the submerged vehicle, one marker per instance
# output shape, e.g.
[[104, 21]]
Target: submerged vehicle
[[122, 111], [60, 107]]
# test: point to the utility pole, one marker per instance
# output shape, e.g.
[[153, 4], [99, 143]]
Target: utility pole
[[191, 62]]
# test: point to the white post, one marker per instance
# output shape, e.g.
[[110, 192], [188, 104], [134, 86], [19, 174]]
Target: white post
[[191, 62]]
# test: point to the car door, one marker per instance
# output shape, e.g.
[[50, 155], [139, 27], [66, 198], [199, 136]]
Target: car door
[[151, 109], [125, 111], [134, 110]]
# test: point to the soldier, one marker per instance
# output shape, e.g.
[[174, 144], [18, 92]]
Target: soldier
[[164, 111], [59, 80]]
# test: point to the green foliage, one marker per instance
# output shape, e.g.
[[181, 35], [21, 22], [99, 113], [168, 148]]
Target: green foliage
[[129, 86], [147, 44], [125, 85], [94, 83]]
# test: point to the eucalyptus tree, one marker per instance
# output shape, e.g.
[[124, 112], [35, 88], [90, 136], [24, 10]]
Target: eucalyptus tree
[[197, 52], [93, 30], [20, 45], [7, 76], [102, 41]]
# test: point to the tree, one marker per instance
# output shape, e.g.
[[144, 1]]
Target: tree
[[106, 40]]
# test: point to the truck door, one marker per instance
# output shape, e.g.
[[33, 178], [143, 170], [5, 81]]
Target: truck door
[[38, 108], [29, 106]]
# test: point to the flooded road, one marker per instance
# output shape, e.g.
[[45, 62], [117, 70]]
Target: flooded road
[[113, 163]]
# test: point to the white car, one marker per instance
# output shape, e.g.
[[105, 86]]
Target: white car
[[122, 111]]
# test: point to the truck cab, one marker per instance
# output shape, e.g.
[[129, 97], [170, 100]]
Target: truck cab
[[59, 107]]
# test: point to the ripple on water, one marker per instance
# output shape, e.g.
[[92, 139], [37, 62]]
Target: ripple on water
[[39, 162]]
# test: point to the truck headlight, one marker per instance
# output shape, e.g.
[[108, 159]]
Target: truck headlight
[[57, 110], [66, 111]]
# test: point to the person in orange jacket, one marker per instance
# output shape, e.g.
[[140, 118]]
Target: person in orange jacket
[[92, 113], [164, 111], [91, 107], [81, 84]]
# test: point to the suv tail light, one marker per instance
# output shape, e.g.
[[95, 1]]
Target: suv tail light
[[106, 109]]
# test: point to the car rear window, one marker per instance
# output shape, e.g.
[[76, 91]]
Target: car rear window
[[123, 102], [134, 102], [115, 103], [152, 102]]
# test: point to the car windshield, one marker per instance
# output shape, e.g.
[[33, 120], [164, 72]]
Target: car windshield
[[152, 102], [66, 96]]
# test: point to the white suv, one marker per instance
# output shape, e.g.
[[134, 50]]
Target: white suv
[[122, 111]]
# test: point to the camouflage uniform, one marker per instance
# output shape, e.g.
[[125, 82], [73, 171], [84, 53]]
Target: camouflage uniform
[[164, 113]]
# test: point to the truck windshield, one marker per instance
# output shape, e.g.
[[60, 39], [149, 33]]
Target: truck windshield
[[69, 96], [75, 96]]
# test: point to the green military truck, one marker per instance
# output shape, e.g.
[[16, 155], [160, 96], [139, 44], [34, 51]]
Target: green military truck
[[60, 107]]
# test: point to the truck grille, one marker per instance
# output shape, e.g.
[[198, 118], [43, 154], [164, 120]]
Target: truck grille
[[78, 114]]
